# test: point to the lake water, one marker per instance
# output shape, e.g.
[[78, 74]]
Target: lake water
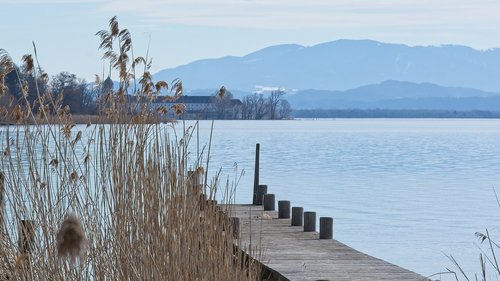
[[409, 191]]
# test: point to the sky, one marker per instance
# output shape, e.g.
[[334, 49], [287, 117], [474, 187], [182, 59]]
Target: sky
[[181, 31]]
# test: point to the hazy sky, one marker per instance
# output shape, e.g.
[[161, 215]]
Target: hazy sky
[[181, 31]]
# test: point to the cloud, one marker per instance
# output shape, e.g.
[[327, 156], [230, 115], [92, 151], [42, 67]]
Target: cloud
[[290, 14]]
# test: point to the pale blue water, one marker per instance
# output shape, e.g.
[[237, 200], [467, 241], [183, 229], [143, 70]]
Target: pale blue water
[[409, 191]]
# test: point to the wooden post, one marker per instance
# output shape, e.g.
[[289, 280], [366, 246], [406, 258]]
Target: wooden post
[[325, 228], [284, 209], [309, 221], [261, 190], [211, 204], [26, 236], [218, 209], [235, 225], [256, 174], [202, 201], [269, 202], [297, 216], [203, 197]]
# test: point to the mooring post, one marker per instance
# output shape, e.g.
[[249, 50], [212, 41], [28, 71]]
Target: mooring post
[[261, 190], [26, 236], [202, 201], [269, 202], [309, 221], [284, 209], [297, 216], [325, 228], [26, 242], [211, 204], [221, 213], [256, 174], [235, 225]]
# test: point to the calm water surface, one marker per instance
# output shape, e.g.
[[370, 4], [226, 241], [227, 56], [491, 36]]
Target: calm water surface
[[409, 191]]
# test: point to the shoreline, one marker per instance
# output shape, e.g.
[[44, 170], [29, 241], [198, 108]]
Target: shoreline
[[80, 119]]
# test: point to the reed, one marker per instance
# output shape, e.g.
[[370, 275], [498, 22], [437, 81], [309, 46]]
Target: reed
[[110, 201]]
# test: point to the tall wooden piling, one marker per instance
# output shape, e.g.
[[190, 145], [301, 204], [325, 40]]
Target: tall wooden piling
[[297, 216], [309, 221], [256, 174], [325, 228], [284, 209]]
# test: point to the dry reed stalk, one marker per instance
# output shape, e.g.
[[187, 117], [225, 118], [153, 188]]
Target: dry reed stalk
[[127, 180], [2, 193]]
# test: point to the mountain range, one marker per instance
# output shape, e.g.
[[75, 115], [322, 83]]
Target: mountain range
[[355, 73], [398, 95]]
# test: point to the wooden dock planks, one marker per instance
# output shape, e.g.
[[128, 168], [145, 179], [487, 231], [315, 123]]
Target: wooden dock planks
[[298, 255]]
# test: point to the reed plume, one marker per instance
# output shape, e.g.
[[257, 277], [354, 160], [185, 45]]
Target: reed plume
[[70, 237]]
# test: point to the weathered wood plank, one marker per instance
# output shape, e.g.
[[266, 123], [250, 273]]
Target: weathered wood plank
[[299, 255]]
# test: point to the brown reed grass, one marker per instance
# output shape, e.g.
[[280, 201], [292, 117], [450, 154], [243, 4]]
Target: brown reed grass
[[137, 212]]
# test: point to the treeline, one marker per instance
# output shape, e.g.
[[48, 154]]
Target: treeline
[[392, 113], [22, 86], [258, 107]]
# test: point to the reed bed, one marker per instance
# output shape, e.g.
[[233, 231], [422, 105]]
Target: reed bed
[[126, 200]]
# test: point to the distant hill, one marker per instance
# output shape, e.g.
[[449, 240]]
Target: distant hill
[[343, 65], [398, 95]]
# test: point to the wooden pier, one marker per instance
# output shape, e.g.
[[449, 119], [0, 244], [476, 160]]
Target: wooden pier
[[292, 254], [290, 248]]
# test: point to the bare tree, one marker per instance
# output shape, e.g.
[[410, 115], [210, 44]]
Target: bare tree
[[247, 108], [255, 107], [71, 89], [261, 107], [284, 109], [273, 101]]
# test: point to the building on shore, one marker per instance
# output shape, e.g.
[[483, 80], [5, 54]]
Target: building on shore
[[201, 107]]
